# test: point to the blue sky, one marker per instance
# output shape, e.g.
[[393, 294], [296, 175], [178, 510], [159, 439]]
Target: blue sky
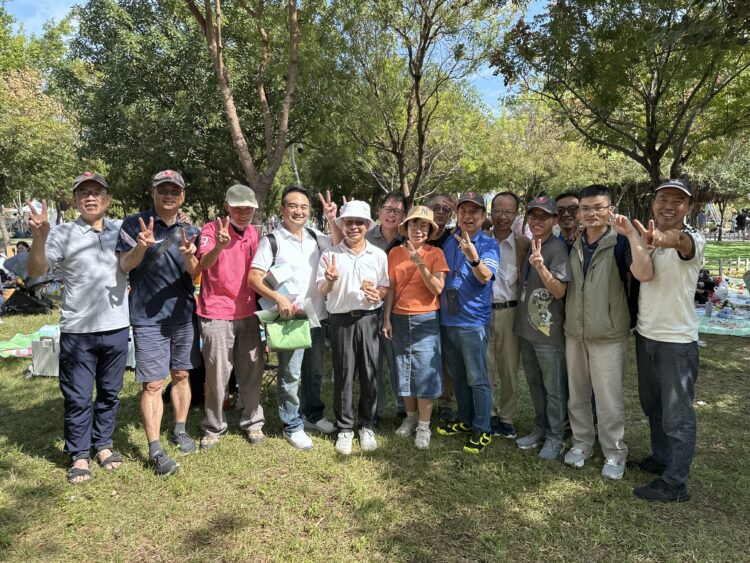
[[33, 13]]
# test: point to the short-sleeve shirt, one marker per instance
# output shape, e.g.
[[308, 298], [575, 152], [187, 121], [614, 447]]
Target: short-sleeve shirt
[[540, 316], [475, 298], [371, 264], [375, 236], [412, 295], [225, 294], [95, 296], [163, 292], [666, 308], [303, 256]]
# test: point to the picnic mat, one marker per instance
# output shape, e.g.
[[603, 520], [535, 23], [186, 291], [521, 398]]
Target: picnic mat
[[19, 346]]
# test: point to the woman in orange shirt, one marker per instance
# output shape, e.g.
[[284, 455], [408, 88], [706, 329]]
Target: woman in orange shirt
[[417, 275]]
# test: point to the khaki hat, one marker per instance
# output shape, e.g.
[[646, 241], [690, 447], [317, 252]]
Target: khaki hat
[[241, 196], [422, 213]]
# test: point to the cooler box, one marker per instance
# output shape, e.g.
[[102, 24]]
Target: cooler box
[[45, 357]]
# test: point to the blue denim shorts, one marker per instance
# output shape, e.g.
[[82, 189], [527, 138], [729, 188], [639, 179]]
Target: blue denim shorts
[[416, 344], [161, 348]]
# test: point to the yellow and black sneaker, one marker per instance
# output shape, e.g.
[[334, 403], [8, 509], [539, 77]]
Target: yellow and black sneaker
[[476, 443], [452, 428]]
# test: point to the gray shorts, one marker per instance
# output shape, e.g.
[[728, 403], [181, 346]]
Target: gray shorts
[[161, 348]]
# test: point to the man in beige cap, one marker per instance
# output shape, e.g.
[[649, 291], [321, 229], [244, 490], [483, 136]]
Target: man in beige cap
[[226, 313]]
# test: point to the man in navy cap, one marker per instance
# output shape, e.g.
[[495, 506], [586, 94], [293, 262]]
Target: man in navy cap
[[93, 320]]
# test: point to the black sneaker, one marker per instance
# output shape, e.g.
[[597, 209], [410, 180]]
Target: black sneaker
[[476, 443], [648, 464], [183, 441], [504, 429], [445, 414], [659, 490], [452, 428], [163, 464]]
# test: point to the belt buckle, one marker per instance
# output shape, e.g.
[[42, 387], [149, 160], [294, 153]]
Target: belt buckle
[[356, 313]]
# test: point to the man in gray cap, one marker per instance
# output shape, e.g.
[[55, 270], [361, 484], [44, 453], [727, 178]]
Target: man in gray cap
[[157, 251], [93, 320], [226, 313]]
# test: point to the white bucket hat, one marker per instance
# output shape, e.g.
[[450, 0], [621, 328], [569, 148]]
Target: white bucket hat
[[358, 209]]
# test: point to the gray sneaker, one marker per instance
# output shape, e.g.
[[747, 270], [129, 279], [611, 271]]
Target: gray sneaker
[[530, 441], [183, 441], [324, 426], [613, 468], [551, 449], [576, 457]]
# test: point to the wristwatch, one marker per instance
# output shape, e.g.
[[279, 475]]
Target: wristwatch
[[475, 263]]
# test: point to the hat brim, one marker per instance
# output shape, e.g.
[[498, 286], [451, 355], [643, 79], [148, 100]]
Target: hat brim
[[676, 187], [167, 181], [538, 206], [339, 221], [405, 222], [246, 203]]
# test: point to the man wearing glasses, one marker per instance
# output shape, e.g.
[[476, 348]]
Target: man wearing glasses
[[386, 236], [93, 321], [159, 253], [568, 217], [504, 354]]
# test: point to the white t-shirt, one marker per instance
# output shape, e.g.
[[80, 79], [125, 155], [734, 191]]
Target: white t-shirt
[[302, 256], [347, 295], [666, 307]]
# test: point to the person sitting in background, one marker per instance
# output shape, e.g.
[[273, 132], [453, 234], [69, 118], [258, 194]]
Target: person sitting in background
[[22, 246]]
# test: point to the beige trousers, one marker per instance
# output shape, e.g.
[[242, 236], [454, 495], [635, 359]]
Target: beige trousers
[[597, 365], [502, 363]]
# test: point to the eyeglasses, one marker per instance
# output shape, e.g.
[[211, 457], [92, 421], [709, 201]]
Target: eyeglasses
[[418, 226], [570, 210], [99, 194], [394, 210], [441, 209], [355, 222], [595, 210], [166, 192], [501, 213]]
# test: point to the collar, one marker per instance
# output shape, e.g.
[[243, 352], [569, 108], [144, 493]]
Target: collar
[[367, 250], [286, 233], [85, 227], [152, 213], [458, 232]]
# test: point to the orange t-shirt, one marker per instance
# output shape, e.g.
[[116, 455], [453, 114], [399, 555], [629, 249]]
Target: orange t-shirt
[[412, 295]]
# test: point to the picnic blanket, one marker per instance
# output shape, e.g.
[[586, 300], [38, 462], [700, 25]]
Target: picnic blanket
[[19, 346]]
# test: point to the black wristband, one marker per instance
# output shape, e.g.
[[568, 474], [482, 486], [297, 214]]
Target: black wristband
[[475, 263]]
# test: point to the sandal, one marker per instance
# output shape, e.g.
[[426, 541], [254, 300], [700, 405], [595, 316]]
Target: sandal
[[107, 463], [76, 472]]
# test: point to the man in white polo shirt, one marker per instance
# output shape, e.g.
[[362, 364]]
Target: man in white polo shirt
[[666, 342], [353, 275], [300, 248]]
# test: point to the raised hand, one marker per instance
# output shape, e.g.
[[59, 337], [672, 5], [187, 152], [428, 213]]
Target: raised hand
[[146, 236], [621, 224], [38, 220], [331, 272], [466, 246], [536, 259], [330, 209], [222, 233], [652, 236], [413, 254], [187, 246]]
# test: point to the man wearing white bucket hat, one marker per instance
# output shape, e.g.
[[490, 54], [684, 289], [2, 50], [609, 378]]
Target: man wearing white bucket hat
[[353, 276]]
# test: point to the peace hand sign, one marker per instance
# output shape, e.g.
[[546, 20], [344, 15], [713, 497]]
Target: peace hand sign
[[222, 234], [331, 272], [330, 208], [146, 236], [187, 246], [536, 259], [38, 220], [413, 254], [652, 236], [621, 224], [467, 247]]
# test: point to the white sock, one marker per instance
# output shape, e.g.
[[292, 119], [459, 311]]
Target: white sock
[[424, 425]]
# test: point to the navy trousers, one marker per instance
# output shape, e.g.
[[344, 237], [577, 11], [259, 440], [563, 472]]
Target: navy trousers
[[88, 361]]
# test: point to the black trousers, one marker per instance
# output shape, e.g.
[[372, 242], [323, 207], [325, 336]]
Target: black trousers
[[354, 347]]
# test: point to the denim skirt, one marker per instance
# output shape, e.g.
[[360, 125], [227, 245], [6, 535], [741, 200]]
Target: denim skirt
[[416, 344]]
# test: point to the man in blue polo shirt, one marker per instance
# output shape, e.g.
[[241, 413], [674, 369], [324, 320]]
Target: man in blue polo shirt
[[465, 316], [159, 254]]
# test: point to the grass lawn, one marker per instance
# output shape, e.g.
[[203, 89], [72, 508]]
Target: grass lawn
[[716, 250], [240, 502]]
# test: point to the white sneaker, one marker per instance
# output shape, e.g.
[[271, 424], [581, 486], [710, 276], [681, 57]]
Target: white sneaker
[[576, 457], [323, 426], [344, 443], [367, 440], [408, 426], [422, 441], [299, 440], [613, 468]]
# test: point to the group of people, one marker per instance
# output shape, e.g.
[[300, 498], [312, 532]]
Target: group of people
[[445, 312]]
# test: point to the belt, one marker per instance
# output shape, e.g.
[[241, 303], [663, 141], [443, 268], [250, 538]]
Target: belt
[[356, 313], [506, 305]]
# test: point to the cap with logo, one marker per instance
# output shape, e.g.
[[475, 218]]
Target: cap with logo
[[473, 197], [241, 196], [419, 212], [544, 203], [89, 177], [168, 177], [681, 185]]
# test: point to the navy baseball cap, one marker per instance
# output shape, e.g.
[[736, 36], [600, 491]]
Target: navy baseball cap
[[89, 177], [544, 203], [681, 185], [168, 177]]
